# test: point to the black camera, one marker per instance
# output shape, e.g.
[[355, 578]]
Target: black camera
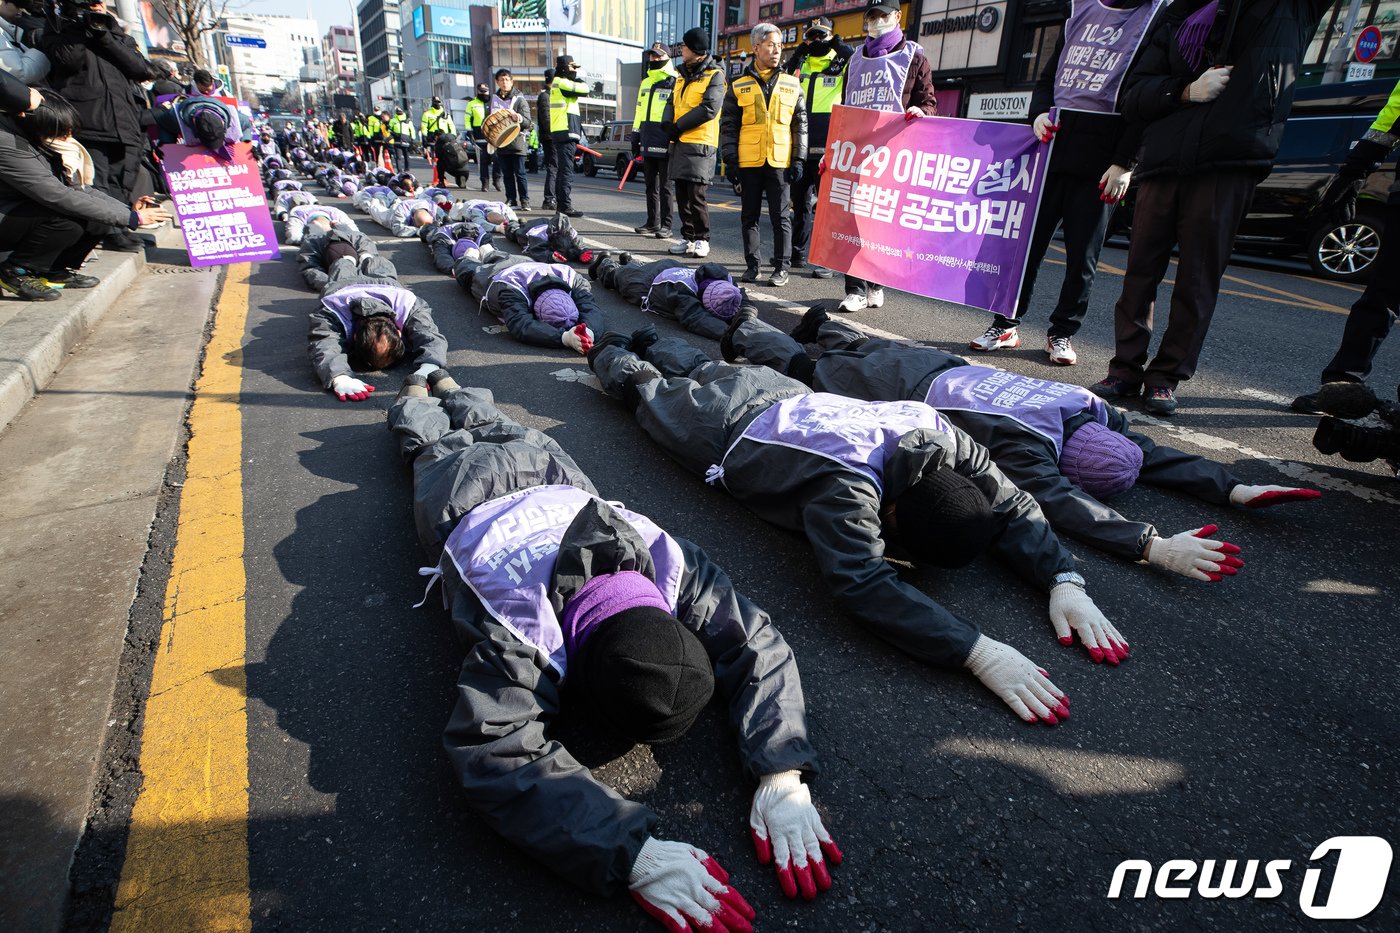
[[82, 13]]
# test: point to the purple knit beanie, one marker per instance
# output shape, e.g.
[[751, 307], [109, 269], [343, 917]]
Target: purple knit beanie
[[348, 187], [720, 297], [556, 306], [1100, 461], [460, 248], [604, 596]]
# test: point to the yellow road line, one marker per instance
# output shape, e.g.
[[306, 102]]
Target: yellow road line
[[186, 864]]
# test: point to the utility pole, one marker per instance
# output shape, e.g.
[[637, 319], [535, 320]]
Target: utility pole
[[1337, 58]]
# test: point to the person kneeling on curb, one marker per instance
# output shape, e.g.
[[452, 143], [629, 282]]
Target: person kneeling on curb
[[544, 304], [565, 601], [365, 321]]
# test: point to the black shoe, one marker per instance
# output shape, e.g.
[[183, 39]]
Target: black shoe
[[549, 206], [726, 343], [644, 337], [778, 279], [647, 229], [624, 258], [593, 266], [25, 285], [442, 382], [1306, 404], [799, 262], [664, 233], [806, 329], [610, 339], [572, 213], [70, 279], [822, 272], [751, 275], [497, 185], [1112, 388], [483, 186], [1160, 400]]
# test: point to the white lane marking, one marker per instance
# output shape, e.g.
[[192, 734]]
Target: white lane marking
[[1073, 772], [494, 329], [579, 375], [1267, 396]]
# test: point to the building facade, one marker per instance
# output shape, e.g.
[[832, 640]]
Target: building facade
[[668, 20], [437, 51], [263, 71], [382, 51]]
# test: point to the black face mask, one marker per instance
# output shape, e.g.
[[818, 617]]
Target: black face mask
[[819, 48], [483, 96]]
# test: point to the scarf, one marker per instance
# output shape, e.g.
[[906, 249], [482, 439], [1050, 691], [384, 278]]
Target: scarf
[[883, 45], [1192, 34]]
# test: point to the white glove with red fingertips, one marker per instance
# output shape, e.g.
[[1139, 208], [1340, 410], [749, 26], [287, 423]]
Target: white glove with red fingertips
[[788, 833], [1044, 128], [1194, 554], [1072, 609], [580, 339], [686, 890], [1021, 685], [348, 388], [913, 113], [1257, 497]]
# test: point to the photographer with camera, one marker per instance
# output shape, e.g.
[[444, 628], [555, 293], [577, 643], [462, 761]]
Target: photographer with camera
[[94, 64], [16, 56]]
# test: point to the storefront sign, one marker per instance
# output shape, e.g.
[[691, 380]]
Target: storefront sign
[[959, 35], [939, 207], [1011, 106]]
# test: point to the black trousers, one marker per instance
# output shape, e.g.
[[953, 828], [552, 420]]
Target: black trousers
[[489, 168], [1373, 314], [400, 156], [693, 209], [770, 183], [1071, 201], [551, 169], [41, 241], [803, 191], [114, 168], [564, 150], [657, 172], [1198, 214]]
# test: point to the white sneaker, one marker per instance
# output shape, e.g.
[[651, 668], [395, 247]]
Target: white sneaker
[[702, 249], [853, 303], [997, 337], [1061, 353], [683, 248], [874, 296]]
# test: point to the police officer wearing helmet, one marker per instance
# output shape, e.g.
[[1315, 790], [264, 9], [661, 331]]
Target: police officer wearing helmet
[[651, 140], [763, 137], [565, 129], [820, 66]]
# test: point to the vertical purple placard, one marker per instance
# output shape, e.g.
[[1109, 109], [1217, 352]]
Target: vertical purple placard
[[221, 204], [939, 207]]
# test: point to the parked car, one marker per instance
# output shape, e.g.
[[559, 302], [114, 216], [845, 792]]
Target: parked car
[[614, 146], [1283, 219]]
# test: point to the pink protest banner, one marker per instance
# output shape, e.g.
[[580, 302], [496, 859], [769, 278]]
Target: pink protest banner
[[937, 206], [221, 204]]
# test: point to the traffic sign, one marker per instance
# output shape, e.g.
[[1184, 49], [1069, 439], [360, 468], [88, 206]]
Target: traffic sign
[[248, 41], [1368, 44], [1361, 72]]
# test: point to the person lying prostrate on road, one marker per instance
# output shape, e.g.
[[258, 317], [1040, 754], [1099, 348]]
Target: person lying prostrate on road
[[286, 184], [544, 304], [703, 299], [853, 477], [439, 196], [562, 598], [1060, 443], [370, 193], [367, 321], [550, 239], [284, 201], [404, 185], [403, 218], [323, 244], [296, 219], [496, 214], [449, 242]]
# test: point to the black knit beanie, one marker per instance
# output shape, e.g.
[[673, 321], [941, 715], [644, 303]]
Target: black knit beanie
[[644, 674], [337, 249], [945, 520]]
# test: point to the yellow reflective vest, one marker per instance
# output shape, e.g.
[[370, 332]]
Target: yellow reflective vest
[[563, 106], [822, 79], [475, 116], [686, 96], [765, 133], [435, 120], [652, 98]]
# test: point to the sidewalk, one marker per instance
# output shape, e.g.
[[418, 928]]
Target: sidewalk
[[84, 464]]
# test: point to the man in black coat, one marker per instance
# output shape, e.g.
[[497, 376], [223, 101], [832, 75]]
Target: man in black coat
[[1214, 87], [94, 64]]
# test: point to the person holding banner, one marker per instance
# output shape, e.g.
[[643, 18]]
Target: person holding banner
[[1213, 88], [366, 320], [855, 477], [1090, 166], [763, 139], [891, 74], [820, 65], [692, 117], [1058, 442], [634, 627]]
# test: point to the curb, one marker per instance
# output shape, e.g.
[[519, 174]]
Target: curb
[[35, 341]]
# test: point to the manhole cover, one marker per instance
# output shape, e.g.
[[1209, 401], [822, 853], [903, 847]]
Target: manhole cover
[[161, 269]]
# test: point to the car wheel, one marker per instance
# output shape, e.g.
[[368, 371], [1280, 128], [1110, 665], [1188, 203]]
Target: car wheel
[[621, 165], [590, 167], [1344, 252]]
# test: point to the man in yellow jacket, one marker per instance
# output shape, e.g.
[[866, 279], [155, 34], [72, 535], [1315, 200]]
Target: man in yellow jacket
[[763, 139]]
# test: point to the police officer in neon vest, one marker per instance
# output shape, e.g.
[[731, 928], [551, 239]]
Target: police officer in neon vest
[[763, 138], [477, 109], [359, 129], [651, 140], [400, 138], [820, 65], [542, 111], [565, 129], [376, 131]]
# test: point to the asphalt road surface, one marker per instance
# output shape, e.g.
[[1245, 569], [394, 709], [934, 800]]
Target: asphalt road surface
[[1255, 720]]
